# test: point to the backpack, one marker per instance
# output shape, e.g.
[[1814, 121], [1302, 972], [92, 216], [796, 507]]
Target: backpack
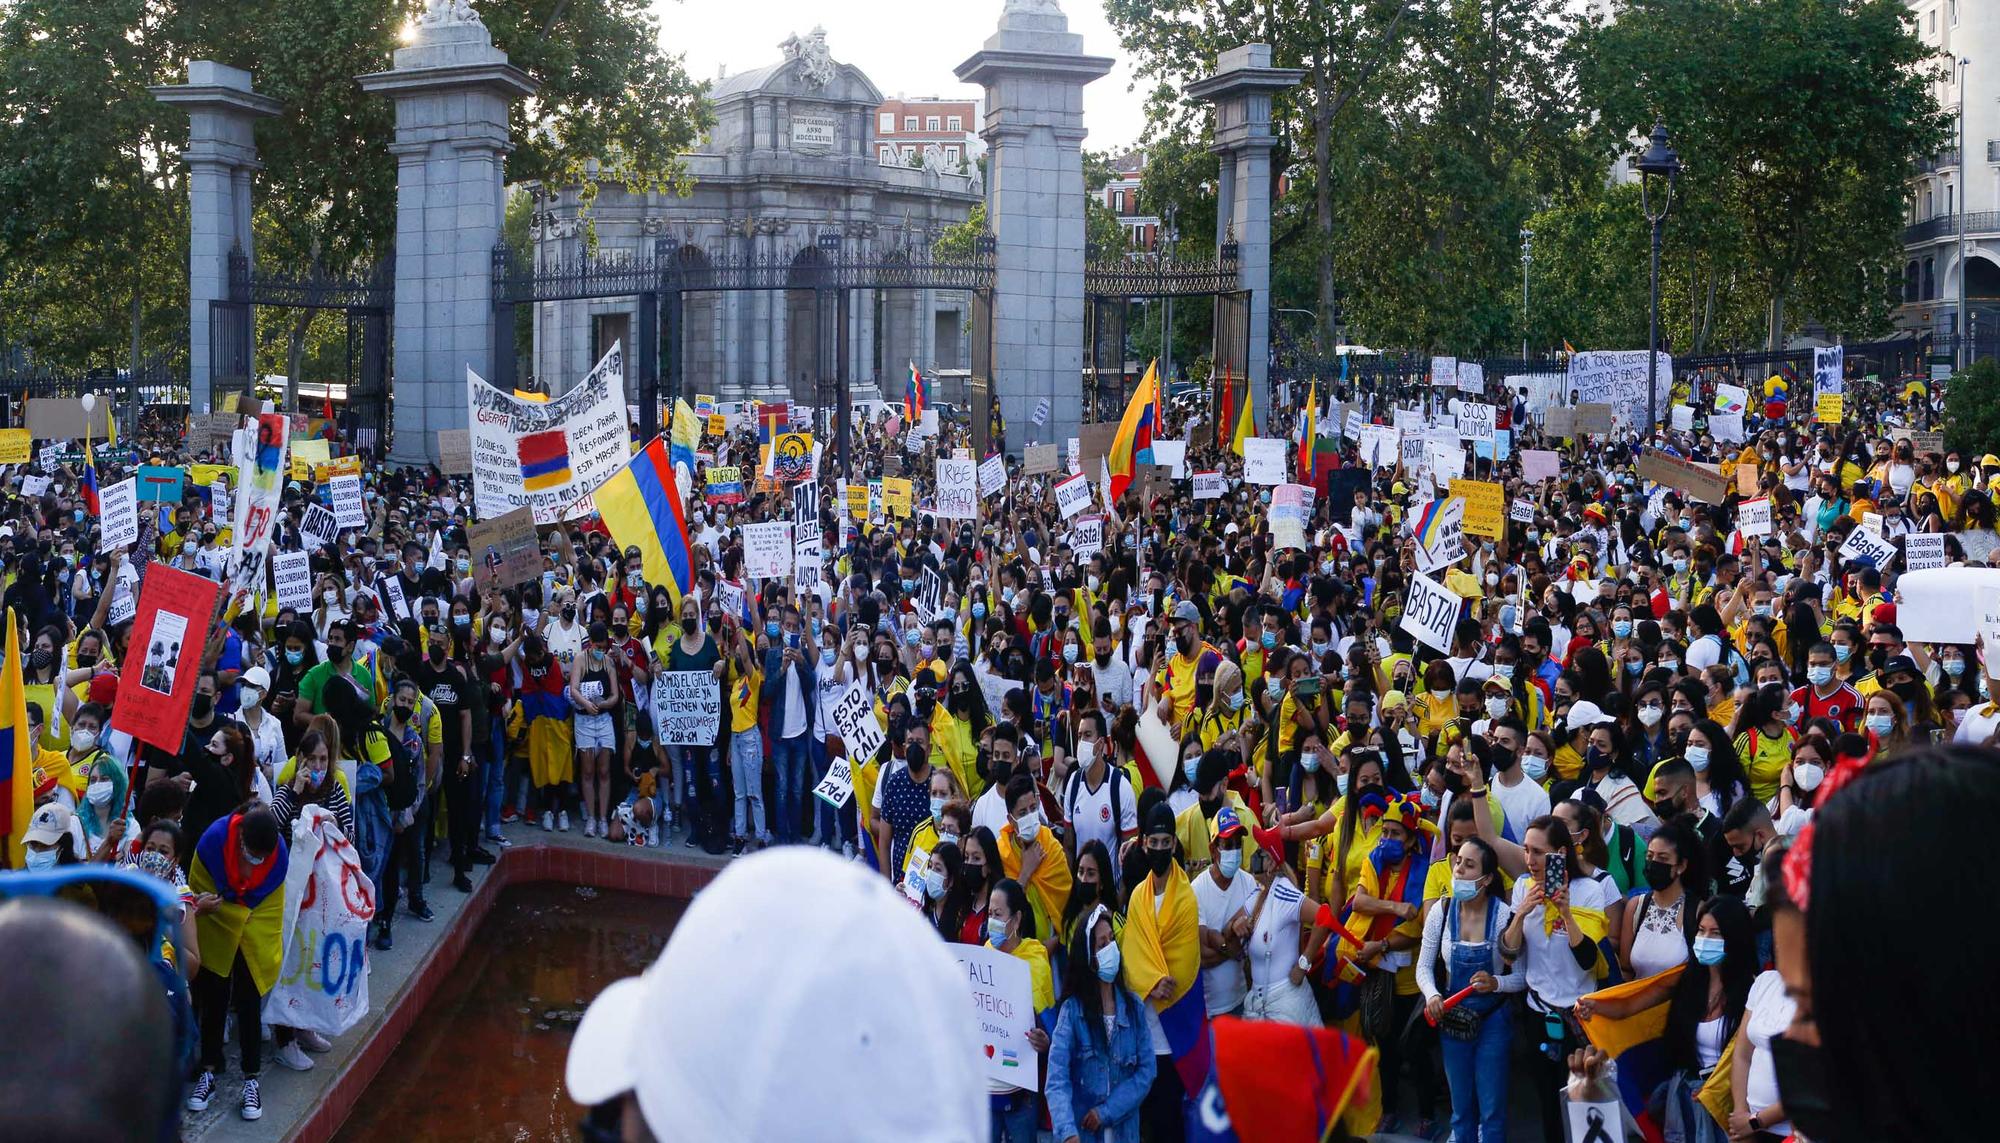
[[1113, 773], [402, 788]]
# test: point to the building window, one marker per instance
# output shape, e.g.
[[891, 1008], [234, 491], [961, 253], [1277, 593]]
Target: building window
[[1930, 204], [888, 156], [1930, 278], [909, 123], [885, 123], [933, 123], [951, 155], [1947, 199], [956, 122], [1953, 9], [909, 155]]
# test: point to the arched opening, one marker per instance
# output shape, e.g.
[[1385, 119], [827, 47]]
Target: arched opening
[[803, 327], [1982, 277], [1930, 278], [1912, 281]]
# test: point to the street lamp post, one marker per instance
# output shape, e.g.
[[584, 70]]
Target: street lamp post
[[1658, 165], [1964, 317], [1170, 236], [1527, 258]]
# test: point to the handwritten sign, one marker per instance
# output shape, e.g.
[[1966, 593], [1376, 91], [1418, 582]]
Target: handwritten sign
[[687, 707], [1753, 517], [319, 525], [957, 489], [767, 550], [992, 475], [838, 786], [120, 502], [347, 507], [1476, 422], [1864, 546], [16, 446], [1003, 1011], [1208, 486], [1444, 371], [291, 578], [455, 452], [1698, 481], [1430, 611], [1073, 495], [1264, 460], [1827, 408], [1485, 506], [860, 730]]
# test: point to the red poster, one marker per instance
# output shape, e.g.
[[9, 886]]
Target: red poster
[[169, 634]]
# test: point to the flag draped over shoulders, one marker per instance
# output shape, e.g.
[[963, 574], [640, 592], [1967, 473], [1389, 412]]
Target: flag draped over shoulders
[[1048, 889]]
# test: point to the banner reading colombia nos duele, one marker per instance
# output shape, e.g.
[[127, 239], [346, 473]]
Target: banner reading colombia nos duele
[[544, 455]]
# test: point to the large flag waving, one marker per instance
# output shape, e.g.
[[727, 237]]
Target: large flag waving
[[686, 435], [1134, 442], [913, 397], [17, 780], [641, 504], [1226, 419], [1311, 426]]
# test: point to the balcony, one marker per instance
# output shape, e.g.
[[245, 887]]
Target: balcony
[[1946, 226]]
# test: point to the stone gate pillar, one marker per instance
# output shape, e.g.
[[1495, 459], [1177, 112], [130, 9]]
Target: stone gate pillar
[[1240, 91], [1034, 71], [452, 89], [221, 155]]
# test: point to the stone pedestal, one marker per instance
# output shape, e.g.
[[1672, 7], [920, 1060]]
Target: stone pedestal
[[1034, 71], [452, 89], [1240, 91], [221, 156]]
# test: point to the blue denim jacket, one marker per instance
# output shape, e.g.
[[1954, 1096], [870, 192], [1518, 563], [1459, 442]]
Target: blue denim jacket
[[1089, 1072]]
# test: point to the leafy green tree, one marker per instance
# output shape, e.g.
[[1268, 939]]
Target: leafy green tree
[[1972, 408], [1799, 122]]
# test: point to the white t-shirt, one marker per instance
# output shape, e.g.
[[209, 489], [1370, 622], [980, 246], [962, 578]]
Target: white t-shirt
[[1705, 651], [1114, 680], [1274, 942], [1521, 803], [1222, 986], [1554, 978], [991, 810], [1767, 1013], [1090, 810], [564, 644]]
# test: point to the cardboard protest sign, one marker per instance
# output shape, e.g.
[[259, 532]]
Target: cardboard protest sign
[[860, 730], [63, 419], [1559, 422], [455, 452], [505, 551], [687, 707], [1485, 506], [1699, 482], [1038, 459], [16, 446], [1594, 417], [1094, 444], [1539, 464]]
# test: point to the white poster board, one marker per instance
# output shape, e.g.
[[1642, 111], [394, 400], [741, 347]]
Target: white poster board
[[1073, 495], [1753, 517], [1264, 460], [120, 503], [1003, 1011], [957, 489], [687, 708], [1430, 610], [291, 576], [1476, 422], [1208, 486], [1863, 544], [1923, 551], [767, 550], [348, 511], [860, 731]]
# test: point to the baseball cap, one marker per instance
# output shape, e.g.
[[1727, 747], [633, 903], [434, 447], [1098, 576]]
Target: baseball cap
[[1227, 824], [257, 677], [1187, 612], [1900, 665], [1585, 714], [792, 950], [49, 825]]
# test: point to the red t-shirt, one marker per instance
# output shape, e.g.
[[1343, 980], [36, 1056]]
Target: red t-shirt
[[1843, 706]]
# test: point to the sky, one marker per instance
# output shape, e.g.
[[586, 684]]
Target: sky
[[908, 47]]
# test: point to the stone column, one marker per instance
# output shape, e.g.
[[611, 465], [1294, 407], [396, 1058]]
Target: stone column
[[452, 89], [1240, 91], [221, 155], [1034, 71]]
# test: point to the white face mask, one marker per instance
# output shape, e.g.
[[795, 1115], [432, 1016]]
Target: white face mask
[[82, 740], [250, 698], [1027, 824], [1496, 707], [1808, 775], [98, 793], [1086, 751]]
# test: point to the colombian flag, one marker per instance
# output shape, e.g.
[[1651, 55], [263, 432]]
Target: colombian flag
[[1305, 465], [89, 484], [913, 397], [1637, 1043], [686, 434], [545, 460], [17, 779], [1134, 443], [641, 505], [1271, 1081]]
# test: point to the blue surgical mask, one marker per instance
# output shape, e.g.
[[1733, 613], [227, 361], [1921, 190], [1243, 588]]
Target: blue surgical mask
[[937, 807], [43, 860], [1070, 652], [1953, 667], [933, 883], [996, 931], [1390, 850], [1534, 766], [1429, 797], [1708, 950], [1879, 724], [1269, 640], [1340, 784], [912, 636], [1464, 888], [1503, 671], [1309, 760], [1697, 757], [1236, 701], [1841, 652], [1680, 564], [1670, 665], [1108, 962], [1621, 627], [1274, 686], [1822, 675], [772, 629], [295, 657], [1190, 766], [1229, 861], [979, 611], [909, 585]]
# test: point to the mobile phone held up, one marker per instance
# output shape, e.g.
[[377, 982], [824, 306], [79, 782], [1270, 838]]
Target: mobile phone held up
[[1555, 876]]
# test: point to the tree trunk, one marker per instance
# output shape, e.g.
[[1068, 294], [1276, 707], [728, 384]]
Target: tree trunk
[[1323, 204], [1774, 341]]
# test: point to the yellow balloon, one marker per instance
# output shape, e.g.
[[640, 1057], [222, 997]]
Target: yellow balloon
[[1772, 386]]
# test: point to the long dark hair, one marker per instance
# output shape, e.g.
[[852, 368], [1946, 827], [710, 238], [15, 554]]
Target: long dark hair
[[1725, 768], [1879, 845], [1017, 904], [1689, 1006], [1080, 978], [965, 897], [949, 919], [1107, 886]]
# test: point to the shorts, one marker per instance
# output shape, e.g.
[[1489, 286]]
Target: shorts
[[595, 732]]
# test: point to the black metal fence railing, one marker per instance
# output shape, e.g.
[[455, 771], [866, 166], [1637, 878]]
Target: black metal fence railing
[[1946, 226]]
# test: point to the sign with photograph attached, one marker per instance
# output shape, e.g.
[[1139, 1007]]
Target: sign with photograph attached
[[505, 550], [170, 633]]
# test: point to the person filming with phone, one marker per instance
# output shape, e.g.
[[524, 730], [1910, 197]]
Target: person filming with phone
[[1553, 938]]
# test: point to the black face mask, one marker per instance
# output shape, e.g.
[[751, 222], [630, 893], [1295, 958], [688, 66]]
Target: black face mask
[[1802, 1085], [1877, 657], [1659, 875], [917, 756], [203, 706], [403, 713], [1159, 861], [336, 652]]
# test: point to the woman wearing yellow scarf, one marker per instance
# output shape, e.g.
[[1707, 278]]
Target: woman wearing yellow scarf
[[241, 859], [1161, 951], [1039, 862]]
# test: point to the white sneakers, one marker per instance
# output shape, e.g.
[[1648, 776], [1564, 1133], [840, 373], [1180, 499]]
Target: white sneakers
[[549, 821], [294, 1057], [202, 1092], [312, 1041], [562, 821]]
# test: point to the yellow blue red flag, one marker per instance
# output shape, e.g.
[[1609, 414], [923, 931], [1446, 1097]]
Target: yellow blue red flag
[[641, 505]]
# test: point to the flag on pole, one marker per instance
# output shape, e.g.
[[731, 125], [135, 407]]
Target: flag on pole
[[1311, 427], [89, 484], [17, 779], [913, 397], [1134, 442], [1244, 428]]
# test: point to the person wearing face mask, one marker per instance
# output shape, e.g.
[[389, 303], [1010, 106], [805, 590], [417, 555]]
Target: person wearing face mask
[[49, 841], [1222, 895], [1461, 934], [1101, 1062], [1160, 951], [341, 638], [1824, 695], [267, 734], [241, 858], [1031, 853], [1099, 798], [1011, 928], [1656, 929]]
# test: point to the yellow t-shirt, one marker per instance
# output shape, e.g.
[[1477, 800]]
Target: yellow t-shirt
[[1766, 763], [743, 699], [951, 743], [1433, 711], [1177, 679]]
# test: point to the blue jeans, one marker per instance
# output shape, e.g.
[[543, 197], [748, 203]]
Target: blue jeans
[[1016, 1117], [495, 778], [746, 770], [1477, 1073], [789, 756]]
